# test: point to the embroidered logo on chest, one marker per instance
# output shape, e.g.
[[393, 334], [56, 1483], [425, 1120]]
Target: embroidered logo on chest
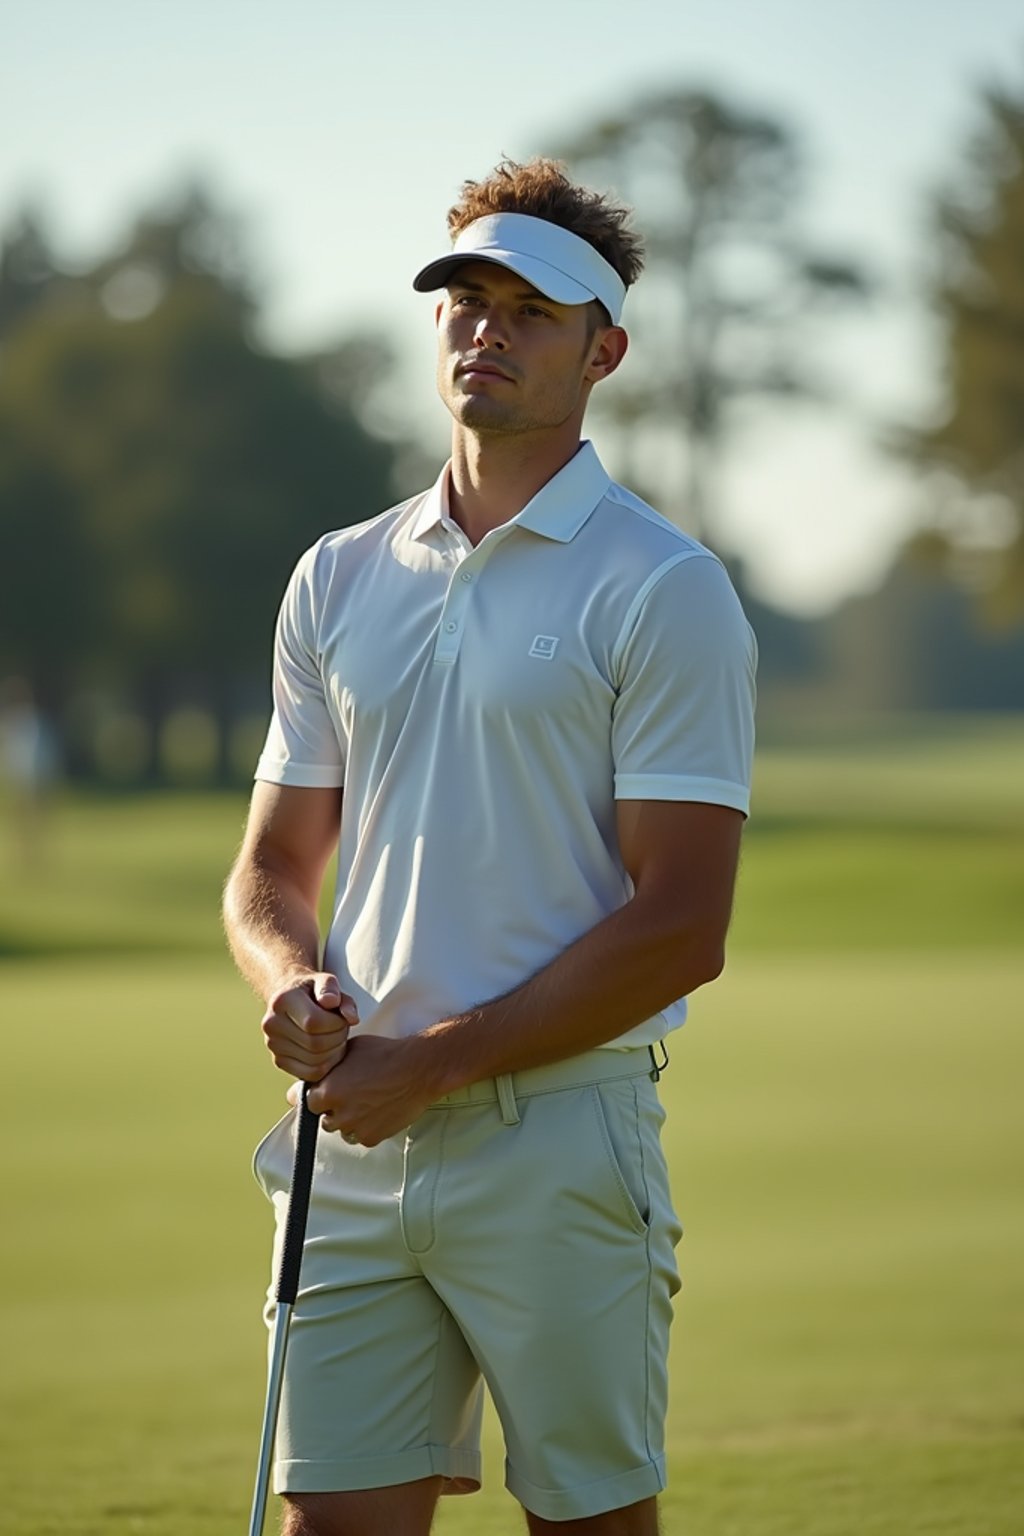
[[544, 647]]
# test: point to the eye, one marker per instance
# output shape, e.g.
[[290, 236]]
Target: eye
[[535, 310], [465, 298]]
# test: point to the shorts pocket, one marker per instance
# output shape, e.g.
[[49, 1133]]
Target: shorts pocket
[[618, 1118]]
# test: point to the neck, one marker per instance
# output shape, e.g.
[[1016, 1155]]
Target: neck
[[493, 477]]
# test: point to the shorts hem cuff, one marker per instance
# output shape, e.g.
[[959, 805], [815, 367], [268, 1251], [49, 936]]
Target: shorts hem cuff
[[460, 1470], [592, 1498]]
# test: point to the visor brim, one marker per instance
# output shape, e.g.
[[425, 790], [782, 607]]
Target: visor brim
[[541, 275]]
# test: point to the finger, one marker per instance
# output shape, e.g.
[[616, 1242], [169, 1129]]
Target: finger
[[311, 1048], [318, 1106], [328, 994], [305, 1074], [323, 1101], [321, 1032], [304, 1052], [300, 1009], [332, 1121], [310, 1069], [355, 1138], [297, 1004], [309, 1061], [294, 1094], [320, 1022], [291, 1001]]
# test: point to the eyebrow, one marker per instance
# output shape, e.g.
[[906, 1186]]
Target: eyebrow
[[531, 294]]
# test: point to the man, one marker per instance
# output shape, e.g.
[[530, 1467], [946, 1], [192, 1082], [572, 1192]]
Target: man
[[526, 701]]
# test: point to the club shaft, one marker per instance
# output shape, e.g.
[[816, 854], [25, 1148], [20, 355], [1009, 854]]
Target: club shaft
[[275, 1376], [287, 1290]]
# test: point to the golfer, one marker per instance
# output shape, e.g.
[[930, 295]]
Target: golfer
[[520, 705]]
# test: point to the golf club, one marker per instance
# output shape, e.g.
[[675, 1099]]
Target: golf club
[[287, 1289]]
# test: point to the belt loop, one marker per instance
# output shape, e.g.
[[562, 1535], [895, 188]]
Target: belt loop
[[658, 1067], [507, 1099]]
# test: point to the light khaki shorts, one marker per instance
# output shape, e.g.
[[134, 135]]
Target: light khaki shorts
[[520, 1233]]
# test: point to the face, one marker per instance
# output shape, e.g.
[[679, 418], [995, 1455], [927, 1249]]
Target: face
[[511, 360]]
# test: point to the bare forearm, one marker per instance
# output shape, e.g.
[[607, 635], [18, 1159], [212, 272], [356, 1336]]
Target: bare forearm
[[271, 928], [627, 968]]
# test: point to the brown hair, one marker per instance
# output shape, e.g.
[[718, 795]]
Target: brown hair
[[541, 189]]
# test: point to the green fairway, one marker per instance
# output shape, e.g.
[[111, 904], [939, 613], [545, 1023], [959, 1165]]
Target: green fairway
[[844, 1134]]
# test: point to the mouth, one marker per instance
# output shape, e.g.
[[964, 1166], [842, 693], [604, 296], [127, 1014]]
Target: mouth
[[477, 370]]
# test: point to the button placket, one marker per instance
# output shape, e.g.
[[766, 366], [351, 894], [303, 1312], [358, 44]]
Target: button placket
[[461, 589], [452, 621]]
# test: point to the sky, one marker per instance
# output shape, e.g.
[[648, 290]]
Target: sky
[[342, 131]]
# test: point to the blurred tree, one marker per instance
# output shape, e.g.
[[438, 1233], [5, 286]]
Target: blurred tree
[[357, 373], [974, 458], [27, 268], [917, 644], [47, 605], [159, 474], [192, 235], [722, 314]]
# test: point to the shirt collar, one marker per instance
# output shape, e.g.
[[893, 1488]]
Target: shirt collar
[[434, 511], [558, 511]]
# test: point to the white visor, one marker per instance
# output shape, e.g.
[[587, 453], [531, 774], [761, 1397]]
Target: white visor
[[552, 259]]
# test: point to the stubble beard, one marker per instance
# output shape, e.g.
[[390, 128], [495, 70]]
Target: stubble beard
[[484, 414], [495, 417]]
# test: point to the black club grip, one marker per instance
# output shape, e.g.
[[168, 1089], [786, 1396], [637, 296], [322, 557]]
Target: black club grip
[[298, 1203]]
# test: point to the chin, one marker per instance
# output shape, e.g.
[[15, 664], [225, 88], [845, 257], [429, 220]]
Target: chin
[[474, 411]]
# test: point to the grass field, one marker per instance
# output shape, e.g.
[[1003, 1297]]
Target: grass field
[[844, 1131]]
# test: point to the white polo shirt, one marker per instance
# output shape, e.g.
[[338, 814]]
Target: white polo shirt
[[484, 709]]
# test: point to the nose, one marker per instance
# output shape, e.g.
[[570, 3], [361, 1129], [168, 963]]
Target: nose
[[489, 332]]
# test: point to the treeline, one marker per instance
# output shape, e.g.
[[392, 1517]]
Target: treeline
[[737, 302], [160, 471], [161, 468], [920, 642]]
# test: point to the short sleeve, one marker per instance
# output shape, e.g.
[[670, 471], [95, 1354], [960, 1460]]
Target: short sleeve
[[302, 745], [683, 720]]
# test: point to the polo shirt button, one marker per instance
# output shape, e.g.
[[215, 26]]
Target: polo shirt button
[[467, 576], [451, 628]]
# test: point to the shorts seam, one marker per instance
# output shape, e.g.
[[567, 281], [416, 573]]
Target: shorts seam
[[645, 1481], [435, 1374], [648, 1214], [637, 1225], [586, 1082], [329, 1475], [435, 1191], [650, 1285], [633, 1075]]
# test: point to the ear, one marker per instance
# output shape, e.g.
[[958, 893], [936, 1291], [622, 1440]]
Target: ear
[[437, 311], [609, 350]]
